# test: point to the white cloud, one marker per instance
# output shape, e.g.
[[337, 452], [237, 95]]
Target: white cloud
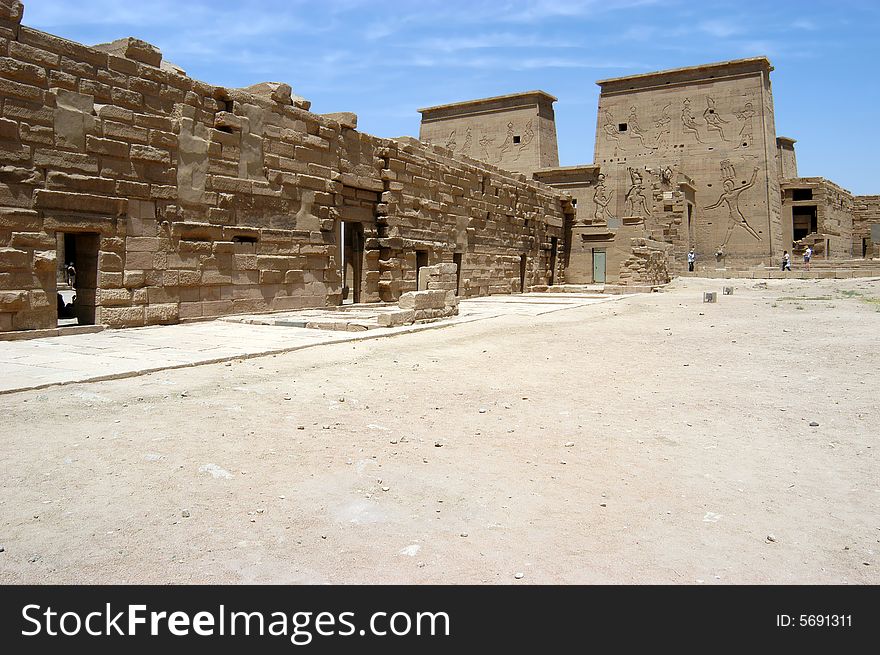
[[720, 28]]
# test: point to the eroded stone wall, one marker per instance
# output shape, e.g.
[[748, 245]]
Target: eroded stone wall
[[202, 201], [713, 123], [866, 212]]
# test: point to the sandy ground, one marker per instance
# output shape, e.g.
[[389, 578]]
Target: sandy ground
[[656, 439]]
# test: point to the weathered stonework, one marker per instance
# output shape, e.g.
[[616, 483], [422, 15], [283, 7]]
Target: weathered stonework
[[687, 158], [515, 132], [180, 200], [866, 226]]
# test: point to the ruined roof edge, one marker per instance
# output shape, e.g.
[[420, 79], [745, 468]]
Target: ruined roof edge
[[760, 63], [467, 103]]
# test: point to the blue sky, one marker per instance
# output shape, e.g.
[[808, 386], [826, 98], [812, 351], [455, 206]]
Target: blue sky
[[384, 60]]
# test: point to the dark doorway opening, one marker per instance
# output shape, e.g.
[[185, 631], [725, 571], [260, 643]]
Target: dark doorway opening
[[522, 273], [690, 226], [803, 221], [421, 262], [457, 260], [77, 277], [351, 239], [553, 242], [864, 248]]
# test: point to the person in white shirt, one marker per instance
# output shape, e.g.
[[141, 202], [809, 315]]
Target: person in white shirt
[[786, 261], [808, 255], [692, 257]]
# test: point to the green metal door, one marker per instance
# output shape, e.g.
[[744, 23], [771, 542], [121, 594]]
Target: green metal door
[[598, 265]]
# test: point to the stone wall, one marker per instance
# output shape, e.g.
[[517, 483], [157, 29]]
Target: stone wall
[[649, 263], [516, 132], [713, 123], [834, 207], [191, 200], [436, 298], [866, 212]]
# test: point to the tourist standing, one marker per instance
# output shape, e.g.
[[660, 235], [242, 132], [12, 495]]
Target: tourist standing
[[808, 255], [71, 275], [692, 257]]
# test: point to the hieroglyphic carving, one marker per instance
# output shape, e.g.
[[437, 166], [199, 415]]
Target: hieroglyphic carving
[[745, 132], [664, 127], [635, 129], [507, 144], [466, 148], [450, 141], [730, 196], [610, 129], [602, 198], [635, 202], [666, 175], [688, 120], [714, 122], [485, 142], [528, 135]]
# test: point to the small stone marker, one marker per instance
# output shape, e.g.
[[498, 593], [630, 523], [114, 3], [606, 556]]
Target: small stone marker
[[710, 296], [728, 291]]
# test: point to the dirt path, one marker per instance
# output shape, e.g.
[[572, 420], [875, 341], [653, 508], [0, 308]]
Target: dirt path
[[656, 439]]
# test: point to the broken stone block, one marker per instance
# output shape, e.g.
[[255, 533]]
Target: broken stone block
[[346, 119], [132, 48], [393, 319]]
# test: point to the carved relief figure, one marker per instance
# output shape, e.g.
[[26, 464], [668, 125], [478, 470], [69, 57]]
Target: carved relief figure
[[528, 135], [688, 120], [610, 128], [745, 132], [713, 120], [602, 198], [635, 129], [485, 142], [664, 127], [450, 141], [508, 142], [465, 149], [635, 202], [730, 196]]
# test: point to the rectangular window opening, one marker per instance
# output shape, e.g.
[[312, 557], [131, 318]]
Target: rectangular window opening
[[622, 127]]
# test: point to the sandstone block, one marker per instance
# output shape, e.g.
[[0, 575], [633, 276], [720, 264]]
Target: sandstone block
[[110, 261], [14, 258], [149, 153], [44, 261], [117, 317], [34, 319], [138, 260], [12, 301], [133, 279], [393, 319], [114, 297], [106, 147], [19, 219], [162, 313], [31, 240], [79, 202]]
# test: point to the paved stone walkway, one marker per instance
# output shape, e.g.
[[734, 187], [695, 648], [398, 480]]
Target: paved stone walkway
[[111, 354]]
